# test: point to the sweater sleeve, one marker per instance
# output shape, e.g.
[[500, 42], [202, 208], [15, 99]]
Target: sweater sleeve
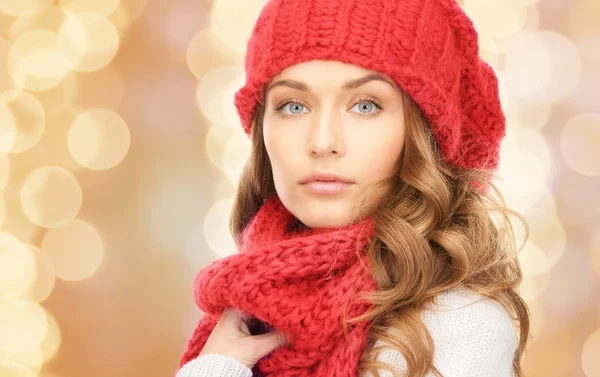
[[214, 365], [474, 339]]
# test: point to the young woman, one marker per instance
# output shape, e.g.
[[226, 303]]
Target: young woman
[[364, 217]]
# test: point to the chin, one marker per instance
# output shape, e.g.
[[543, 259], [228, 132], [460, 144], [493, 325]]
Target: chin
[[320, 215]]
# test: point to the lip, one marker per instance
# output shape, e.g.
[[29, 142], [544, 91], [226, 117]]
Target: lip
[[318, 176], [326, 188]]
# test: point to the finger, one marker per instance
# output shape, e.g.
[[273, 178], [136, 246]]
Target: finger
[[243, 327], [287, 338], [228, 318], [266, 343], [235, 319], [231, 315]]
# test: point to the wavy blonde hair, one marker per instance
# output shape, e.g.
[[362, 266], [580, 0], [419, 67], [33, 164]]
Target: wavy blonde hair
[[433, 231]]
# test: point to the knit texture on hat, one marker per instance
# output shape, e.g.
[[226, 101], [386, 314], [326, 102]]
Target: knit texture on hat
[[430, 47], [297, 282]]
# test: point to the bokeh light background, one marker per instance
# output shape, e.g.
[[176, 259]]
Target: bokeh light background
[[120, 149]]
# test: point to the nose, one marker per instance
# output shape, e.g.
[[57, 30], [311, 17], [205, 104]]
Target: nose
[[326, 135]]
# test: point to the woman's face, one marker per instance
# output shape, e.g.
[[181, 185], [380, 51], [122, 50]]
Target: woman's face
[[327, 116]]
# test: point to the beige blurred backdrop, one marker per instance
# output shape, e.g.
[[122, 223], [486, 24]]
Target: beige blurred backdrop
[[120, 149]]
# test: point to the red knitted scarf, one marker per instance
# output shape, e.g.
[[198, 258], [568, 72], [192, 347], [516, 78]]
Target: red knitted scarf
[[298, 282]]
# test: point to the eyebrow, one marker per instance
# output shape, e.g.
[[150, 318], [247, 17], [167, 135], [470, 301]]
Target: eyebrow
[[348, 85]]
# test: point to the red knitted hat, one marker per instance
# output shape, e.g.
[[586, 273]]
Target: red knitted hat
[[429, 47]]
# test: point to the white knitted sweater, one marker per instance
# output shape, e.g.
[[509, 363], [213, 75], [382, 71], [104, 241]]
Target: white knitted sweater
[[473, 336]]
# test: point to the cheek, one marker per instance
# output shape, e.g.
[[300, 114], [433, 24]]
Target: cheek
[[281, 136], [379, 151], [275, 144], [283, 151]]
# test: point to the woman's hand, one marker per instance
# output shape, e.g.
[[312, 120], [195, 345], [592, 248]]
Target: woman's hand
[[231, 337]]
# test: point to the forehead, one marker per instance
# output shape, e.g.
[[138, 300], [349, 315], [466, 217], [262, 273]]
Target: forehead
[[322, 75]]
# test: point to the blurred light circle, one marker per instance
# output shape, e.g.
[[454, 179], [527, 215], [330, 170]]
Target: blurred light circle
[[89, 41], [496, 19], [216, 228], [532, 288], [526, 2], [53, 338], [22, 361], [75, 249], [43, 283], [20, 8], [528, 67], [214, 144], [523, 113], [229, 110], [546, 232], [2, 209], [8, 128], [60, 100], [205, 43], [595, 251], [17, 267], [523, 175], [23, 325], [532, 23], [51, 196], [237, 153], [533, 260], [127, 13], [50, 18], [534, 143], [223, 186], [580, 143], [99, 139], [195, 247], [215, 94], [589, 354], [546, 203], [53, 149], [531, 115], [542, 66], [29, 117], [488, 51], [16, 222], [6, 82], [233, 21], [103, 7], [34, 61], [4, 170]]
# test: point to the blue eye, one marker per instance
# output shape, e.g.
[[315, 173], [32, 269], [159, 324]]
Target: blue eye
[[298, 106], [294, 108], [369, 106]]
